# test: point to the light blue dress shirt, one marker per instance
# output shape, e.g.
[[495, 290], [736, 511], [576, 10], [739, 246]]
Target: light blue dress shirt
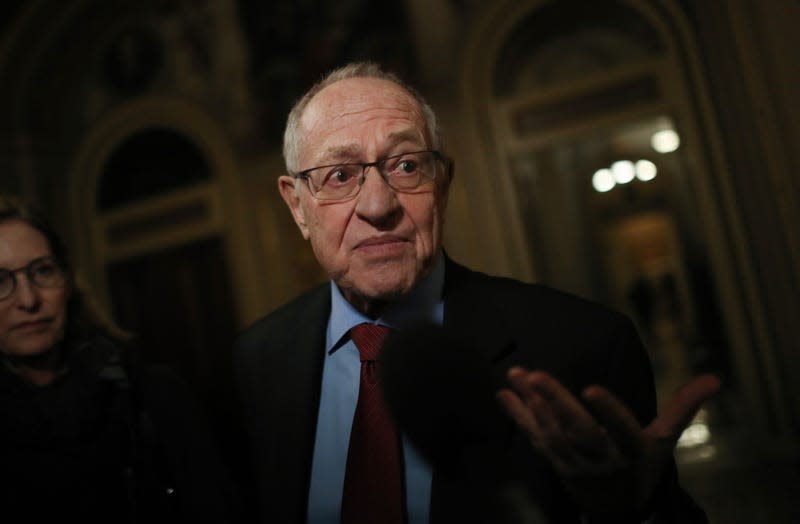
[[340, 379]]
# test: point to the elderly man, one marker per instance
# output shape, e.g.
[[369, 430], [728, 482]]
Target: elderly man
[[367, 186]]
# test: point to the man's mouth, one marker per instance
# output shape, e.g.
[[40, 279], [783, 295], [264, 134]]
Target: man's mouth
[[382, 246]]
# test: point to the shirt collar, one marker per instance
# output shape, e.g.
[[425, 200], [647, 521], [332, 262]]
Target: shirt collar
[[421, 305]]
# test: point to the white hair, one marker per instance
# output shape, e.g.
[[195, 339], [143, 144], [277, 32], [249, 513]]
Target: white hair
[[292, 137]]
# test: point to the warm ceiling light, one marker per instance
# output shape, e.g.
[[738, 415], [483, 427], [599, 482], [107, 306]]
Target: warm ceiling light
[[623, 171], [665, 141], [645, 170], [603, 180]]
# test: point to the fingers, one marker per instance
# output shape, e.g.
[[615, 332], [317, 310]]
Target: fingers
[[558, 407], [533, 417], [527, 407], [556, 422], [617, 419], [518, 411], [683, 407], [599, 440]]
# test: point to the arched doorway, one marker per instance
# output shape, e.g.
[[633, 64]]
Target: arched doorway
[[174, 294], [580, 95], [567, 91], [151, 206]]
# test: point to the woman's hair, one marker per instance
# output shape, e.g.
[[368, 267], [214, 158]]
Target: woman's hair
[[84, 317]]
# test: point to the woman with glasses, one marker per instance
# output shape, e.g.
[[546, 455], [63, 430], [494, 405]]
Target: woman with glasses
[[85, 432]]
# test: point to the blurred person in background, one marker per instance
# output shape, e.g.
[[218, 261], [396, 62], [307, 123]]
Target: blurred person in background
[[87, 433]]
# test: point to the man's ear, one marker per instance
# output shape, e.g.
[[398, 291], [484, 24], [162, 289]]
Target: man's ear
[[286, 186], [444, 187], [451, 171]]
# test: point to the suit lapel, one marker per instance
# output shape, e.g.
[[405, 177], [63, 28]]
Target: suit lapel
[[464, 294], [467, 317], [486, 312], [291, 393]]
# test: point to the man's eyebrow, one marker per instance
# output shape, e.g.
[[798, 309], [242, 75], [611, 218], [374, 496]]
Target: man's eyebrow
[[338, 153], [352, 151], [406, 135]]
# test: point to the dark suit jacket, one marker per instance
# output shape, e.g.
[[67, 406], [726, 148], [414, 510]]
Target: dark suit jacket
[[279, 369]]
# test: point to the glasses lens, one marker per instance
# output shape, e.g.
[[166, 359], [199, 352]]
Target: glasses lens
[[408, 171], [335, 182], [6, 283], [45, 272]]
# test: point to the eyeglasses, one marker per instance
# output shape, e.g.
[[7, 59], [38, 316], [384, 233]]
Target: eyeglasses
[[43, 272], [403, 173]]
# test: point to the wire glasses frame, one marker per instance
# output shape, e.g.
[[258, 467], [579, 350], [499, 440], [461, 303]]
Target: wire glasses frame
[[404, 173], [43, 272]]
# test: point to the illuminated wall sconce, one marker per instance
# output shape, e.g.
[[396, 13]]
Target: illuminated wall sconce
[[603, 180], [622, 172], [645, 170], [665, 141]]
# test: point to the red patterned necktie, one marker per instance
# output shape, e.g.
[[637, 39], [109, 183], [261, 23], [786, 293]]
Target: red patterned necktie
[[373, 484]]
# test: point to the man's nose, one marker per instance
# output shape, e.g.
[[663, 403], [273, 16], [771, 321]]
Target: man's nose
[[376, 200]]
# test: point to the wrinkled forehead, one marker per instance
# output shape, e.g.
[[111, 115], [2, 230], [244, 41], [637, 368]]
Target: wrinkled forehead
[[349, 104]]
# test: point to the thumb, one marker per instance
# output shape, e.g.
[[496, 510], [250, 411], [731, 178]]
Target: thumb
[[683, 407]]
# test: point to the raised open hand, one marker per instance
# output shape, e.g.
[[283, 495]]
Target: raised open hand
[[608, 462]]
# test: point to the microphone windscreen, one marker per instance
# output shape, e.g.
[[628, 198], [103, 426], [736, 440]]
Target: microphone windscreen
[[438, 388]]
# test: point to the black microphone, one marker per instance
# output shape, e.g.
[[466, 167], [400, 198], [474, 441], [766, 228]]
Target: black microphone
[[440, 391]]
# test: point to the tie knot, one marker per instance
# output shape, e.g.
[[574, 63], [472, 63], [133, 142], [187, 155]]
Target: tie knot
[[369, 339]]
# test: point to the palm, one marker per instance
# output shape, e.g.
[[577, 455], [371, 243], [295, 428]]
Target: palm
[[606, 459]]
